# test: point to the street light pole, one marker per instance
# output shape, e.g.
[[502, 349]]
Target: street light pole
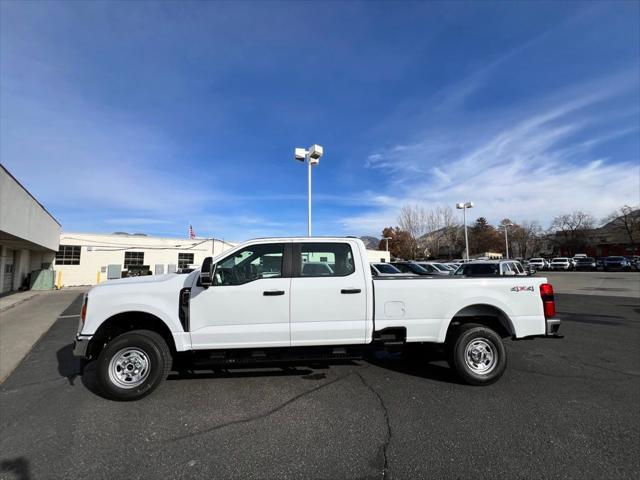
[[308, 197], [506, 237], [463, 206], [312, 157]]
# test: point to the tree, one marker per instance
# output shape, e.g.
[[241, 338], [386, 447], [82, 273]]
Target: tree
[[413, 219], [570, 231], [444, 235], [626, 220], [526, 237], [483, 237], [401, 245]]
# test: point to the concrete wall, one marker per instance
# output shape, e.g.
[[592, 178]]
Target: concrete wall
[[29, 235], [22, 216], [98, 251]]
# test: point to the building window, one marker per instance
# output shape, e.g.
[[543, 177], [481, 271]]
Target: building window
[[185, 259], [68, 255], [132, 259]]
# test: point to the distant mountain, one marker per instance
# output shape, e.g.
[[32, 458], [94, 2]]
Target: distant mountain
[[371, 243]]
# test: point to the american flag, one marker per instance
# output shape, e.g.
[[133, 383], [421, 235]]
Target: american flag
[[192, 234]]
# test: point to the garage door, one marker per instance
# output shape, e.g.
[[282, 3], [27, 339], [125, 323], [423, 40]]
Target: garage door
[[8, 262]]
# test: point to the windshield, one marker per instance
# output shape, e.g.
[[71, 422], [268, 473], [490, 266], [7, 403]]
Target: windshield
[[616, 259], [386, 268], [586, 260], [560, 260], [440, 267]]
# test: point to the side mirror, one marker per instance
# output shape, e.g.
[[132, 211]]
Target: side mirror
[[206, 272]]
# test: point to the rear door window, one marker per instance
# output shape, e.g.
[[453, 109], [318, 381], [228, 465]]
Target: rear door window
[[325, 259]]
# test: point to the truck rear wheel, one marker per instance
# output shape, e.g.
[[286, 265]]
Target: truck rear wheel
[[478, 355], [133, 365]]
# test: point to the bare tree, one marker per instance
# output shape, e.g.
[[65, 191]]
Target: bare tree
[[626, 220], [570, 230], [526, 236], [443, 232], [413, 219]]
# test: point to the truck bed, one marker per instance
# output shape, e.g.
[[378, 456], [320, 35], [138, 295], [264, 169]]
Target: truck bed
[[425, 305]]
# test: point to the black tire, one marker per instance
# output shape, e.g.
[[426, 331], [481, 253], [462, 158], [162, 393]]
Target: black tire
[[487, 341], [138, 347]]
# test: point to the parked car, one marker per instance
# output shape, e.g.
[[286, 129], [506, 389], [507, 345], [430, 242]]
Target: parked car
[[436, 268], [599, 263], [381, 269], [135, 327], [491, 268], [585, 263], [561, 263], [538, 263], [411, 267], [616, 263]]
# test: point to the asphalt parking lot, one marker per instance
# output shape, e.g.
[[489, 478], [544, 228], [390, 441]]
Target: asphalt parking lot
[[564, 409]]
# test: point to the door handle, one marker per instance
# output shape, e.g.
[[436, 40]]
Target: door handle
[[346, 291], [272, 293]]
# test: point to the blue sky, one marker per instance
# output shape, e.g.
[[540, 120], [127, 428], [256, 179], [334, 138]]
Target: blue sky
[[147, 116]]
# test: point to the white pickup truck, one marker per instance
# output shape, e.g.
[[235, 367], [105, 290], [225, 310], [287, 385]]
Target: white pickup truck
[[301, 299]]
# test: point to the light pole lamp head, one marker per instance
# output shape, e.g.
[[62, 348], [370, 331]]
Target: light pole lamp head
[[463, 205], [315, 152], [301, 154]]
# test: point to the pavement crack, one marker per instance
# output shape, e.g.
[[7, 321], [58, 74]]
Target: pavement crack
[[387, 440], [261, 415]]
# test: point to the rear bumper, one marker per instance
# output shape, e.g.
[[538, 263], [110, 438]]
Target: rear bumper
[[553, 326], [81, 344]]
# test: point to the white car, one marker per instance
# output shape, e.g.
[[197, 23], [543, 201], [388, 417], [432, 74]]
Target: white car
[[538, 263], [261, 301], [436, 268], [561, 263]]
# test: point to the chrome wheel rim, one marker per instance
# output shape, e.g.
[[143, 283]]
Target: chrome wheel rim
[[129, 368], [481, 356]]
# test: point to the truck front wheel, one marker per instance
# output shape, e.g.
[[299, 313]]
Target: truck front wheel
[[133, 364], [478, 355]]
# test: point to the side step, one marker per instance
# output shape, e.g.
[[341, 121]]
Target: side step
[[277, 355]]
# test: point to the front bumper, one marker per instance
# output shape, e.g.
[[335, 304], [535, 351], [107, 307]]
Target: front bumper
[[81, 344]]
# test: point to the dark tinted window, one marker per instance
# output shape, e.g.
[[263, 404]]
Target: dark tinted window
[[68, 255], [185, 259], [132, 259], [326, 260], [479, 269]]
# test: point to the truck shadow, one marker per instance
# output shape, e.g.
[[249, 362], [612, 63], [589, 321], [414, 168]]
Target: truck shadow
[[423, 365], [427, 364]]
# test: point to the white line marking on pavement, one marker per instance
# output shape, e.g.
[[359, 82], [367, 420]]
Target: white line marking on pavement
[[69, 316]]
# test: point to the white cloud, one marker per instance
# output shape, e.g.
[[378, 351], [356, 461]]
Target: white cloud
[[535, 169]]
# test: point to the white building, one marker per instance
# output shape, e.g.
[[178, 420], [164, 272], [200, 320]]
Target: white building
[[29, 234], [88, 259]]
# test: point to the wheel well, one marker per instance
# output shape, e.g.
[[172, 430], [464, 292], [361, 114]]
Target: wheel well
[[126, 322], [486, 315]]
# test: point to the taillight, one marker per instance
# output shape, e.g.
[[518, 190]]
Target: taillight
[[83, 312], [548, 300]]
